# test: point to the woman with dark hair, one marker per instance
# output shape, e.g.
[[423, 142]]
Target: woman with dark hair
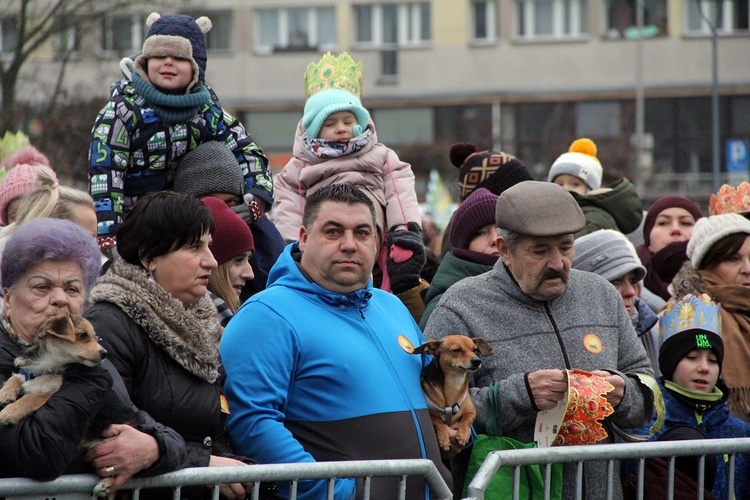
[[159, 325], [55, 263], [666, 231], [719, 265]]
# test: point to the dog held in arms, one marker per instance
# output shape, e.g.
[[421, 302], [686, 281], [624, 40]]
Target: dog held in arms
[[65, 339], [445, 383]]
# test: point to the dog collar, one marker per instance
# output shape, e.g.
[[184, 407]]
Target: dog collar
[[27, 375], [447, 413]]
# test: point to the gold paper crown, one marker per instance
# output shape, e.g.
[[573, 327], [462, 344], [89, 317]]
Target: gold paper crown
[[730, 200], [334, 73], [689, 313]]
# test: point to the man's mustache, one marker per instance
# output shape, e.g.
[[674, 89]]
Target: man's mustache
[[551, 273]]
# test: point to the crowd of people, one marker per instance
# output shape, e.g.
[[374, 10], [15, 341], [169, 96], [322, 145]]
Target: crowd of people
[[250, 319]]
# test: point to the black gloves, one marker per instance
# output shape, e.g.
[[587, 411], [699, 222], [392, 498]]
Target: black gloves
[[406, 258]]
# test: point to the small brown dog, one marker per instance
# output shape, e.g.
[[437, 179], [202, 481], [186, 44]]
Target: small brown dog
[[64, 340], [445, 383]]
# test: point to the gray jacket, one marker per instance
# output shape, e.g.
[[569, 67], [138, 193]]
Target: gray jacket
[[529, 335]]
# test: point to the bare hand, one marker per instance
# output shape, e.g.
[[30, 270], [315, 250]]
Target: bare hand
[[456, 448], [548, 387], [615, 396], [232, 491], [127, 450]]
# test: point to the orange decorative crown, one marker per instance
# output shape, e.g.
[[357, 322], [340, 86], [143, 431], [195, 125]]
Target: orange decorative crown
[[730, 200]]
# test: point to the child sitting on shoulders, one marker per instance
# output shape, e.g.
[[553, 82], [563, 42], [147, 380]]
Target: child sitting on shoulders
[[160, 110], [336, 142], [615, 207]]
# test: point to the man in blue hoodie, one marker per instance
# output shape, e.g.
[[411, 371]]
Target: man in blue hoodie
[[319, 365]]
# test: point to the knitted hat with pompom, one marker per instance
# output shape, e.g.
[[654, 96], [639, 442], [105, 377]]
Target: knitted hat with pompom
[[22, 169], [580, 161], [492, 170]]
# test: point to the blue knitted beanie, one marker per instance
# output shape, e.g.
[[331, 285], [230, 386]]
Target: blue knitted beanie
[[323, 104]]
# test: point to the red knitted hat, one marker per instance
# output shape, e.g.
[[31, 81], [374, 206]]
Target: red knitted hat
[[22, 168], [662, 204], [232, 236]]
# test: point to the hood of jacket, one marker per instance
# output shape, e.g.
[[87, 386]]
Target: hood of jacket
[[287, 273], [186, 334], [451, 270], [619, 200]]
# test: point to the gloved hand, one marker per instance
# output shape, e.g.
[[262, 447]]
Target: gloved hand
[[406, 258], [250, 211]]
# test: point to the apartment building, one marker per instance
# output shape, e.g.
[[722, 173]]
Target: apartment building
[[524, 76]]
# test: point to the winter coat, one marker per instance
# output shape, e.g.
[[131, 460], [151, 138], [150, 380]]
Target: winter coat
[[165, 355], [451, 270], [45, 445], [647, 327], [662, 266], [529, 335], [315, 376], [132, 153], [374, 168], [714, 423], [617, 207]]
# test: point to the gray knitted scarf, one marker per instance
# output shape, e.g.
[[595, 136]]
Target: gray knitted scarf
[[185, 333]]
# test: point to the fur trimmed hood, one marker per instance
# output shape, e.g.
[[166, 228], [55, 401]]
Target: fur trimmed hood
[[687, 280], [185, 333]]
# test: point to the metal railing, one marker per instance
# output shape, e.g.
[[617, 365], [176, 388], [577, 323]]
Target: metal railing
[[605, 452], [214, 476]]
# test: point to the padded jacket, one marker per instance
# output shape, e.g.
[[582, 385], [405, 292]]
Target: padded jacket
[[44, 445]]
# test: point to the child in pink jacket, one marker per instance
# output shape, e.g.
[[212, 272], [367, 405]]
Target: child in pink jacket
[[336, 142]]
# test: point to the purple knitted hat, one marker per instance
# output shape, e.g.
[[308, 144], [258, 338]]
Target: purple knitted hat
[[476, 211]]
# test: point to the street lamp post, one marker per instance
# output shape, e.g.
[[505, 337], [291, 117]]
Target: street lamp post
[[714, 90]]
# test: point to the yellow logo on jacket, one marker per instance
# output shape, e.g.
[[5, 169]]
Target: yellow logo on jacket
[[592, 343], [405, 344]]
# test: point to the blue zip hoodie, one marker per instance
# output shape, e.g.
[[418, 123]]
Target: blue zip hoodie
[[314, 375]]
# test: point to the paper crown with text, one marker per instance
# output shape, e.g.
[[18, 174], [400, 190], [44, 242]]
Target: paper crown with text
[[730, 200], [691, 312], [334, 73]]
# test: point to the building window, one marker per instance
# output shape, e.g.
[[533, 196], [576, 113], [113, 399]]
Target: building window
[[484, 20], [219, 38], [67, 42], [622, 21], [295, 29], [598, 119], [728, 16], [123, 34], [8, 35], [551, 19], [392, 25]]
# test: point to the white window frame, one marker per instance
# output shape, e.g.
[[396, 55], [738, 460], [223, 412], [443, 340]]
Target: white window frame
[[611, 32], [575, 20], [283, 30], [409, 30], [491, 22], [726, 25], [138, 32], [215, 16], [67, 42]]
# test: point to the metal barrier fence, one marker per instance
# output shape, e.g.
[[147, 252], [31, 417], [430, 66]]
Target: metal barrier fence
[[605, 452], [83, 484]]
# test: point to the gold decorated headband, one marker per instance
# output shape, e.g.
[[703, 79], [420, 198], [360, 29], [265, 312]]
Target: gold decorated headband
[[331, 72]]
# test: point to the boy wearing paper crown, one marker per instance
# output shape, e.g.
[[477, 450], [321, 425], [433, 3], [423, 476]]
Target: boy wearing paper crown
[[336, 142], [157, 112], [690, 359]]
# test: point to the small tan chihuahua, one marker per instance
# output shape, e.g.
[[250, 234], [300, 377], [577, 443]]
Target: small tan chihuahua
[[445, 383]]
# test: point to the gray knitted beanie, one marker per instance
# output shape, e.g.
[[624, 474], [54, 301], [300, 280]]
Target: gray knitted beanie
[[709, 230], [209, 168], [607, 253]]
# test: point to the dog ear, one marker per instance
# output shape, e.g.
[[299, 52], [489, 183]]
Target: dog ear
[[485, 349], [429, 347], [59, 325]]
